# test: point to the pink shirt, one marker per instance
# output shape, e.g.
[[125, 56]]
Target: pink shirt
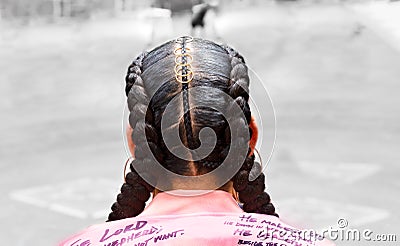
[[212, 218]]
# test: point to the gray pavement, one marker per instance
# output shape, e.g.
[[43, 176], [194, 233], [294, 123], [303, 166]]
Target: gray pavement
[[333, 79]]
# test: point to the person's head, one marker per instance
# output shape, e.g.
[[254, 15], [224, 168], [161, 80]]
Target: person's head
[[190, 126]]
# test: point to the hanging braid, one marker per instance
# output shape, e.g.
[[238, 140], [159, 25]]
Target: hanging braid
[[136, 191], [251, 193]]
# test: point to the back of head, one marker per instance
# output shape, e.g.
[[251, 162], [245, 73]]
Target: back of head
[[188, 102]]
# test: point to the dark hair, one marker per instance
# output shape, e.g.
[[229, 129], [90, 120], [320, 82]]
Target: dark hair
[[151, 85]]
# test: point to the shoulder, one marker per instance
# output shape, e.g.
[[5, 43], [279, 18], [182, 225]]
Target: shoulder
[[199, 228]]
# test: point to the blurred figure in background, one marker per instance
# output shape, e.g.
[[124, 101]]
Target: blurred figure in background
[[199, 21]]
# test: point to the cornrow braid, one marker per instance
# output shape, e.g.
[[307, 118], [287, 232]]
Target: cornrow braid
[[136, 191], [251, 193]]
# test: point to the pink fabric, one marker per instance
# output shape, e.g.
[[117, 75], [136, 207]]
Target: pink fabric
[[213, 218]]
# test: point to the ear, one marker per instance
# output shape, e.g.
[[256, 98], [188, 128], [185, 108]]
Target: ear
[[131, 144], [254, 136]]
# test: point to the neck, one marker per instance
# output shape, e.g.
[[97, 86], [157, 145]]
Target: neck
[[187, 202], [228, 187]]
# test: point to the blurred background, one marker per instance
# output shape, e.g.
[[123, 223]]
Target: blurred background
[[332, 68]]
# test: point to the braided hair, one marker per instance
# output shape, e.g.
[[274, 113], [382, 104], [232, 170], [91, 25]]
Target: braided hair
[[150, 87], [251, 193], [135, 191]]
